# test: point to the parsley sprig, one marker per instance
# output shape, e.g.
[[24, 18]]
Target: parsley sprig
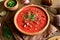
[[30, 16]]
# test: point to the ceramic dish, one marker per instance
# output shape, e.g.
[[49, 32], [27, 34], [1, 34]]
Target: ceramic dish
[[28, 25]]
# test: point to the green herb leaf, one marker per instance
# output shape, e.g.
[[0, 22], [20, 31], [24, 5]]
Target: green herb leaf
[[7, 33], [11, 3], [32, 17], [29, 15]]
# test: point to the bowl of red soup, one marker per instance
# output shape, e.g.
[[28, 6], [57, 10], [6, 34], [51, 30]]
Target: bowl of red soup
[[32, 20]]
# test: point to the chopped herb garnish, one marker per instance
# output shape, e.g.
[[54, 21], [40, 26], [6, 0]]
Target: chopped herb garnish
[[30, 16], [11, 3]]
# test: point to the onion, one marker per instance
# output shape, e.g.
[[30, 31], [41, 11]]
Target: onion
[[26, 1]]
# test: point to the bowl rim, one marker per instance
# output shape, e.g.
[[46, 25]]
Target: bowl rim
[[39, 32]]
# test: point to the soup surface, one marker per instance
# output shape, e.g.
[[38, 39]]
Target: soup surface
[[31, 19]]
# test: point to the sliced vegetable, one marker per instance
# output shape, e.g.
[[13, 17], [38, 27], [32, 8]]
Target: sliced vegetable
[[7, 33], [11, 3]]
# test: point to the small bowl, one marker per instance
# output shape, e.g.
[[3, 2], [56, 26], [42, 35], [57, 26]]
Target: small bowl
[[35, 33], [11, 8]]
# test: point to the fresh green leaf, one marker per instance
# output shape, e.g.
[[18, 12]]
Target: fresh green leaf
[[32, 17], [11, 3], [29, 15], [7, 33]]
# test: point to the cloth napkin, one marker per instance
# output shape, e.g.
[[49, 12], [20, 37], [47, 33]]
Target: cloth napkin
[[44, 36]]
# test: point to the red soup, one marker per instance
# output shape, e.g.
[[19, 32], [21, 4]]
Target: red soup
[[31, 19]]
